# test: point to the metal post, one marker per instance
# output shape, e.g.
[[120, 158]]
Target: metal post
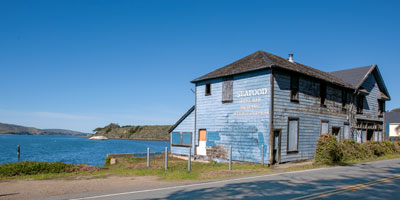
[[230, 157], [148, 156], [189, 159], [166, 158], [18, 152], [262, 154]]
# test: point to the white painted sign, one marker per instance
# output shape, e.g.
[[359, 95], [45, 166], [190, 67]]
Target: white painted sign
[[250, 93]]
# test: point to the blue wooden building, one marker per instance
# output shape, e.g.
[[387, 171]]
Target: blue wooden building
[[265, 102]]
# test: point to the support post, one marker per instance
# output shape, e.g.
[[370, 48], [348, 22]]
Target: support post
[[18, 152], [166, 158], [262, 154], [230, 157], [148, 156], [190, 159]]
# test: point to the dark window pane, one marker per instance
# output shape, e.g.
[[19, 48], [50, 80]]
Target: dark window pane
[[294, 87], [360, 103], [323, 93], [208, 89]]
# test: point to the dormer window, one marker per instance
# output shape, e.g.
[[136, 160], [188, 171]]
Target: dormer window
[[360, 104], [294, 88], [381, 108], [208, 89]]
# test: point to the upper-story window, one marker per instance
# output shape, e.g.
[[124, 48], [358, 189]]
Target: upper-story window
[[294, 88], [381, 107], [208, 89], [344, 100], [360, 104], [322, 93], [227, 90]]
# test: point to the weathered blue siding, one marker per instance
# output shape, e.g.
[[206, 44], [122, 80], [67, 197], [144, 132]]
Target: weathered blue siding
[[187, 125], [370, 107], [309, 112], [244, 123]]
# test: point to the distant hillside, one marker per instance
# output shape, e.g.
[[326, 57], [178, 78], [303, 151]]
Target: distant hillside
[[156, 132], [396, 110], [23, 130]]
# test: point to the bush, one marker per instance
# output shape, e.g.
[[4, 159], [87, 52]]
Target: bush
[[329, 151], [32, 168]]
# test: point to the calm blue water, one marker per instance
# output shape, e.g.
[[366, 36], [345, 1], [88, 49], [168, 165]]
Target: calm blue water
[[69, 149]]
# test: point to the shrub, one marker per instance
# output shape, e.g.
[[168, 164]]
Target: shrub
[[328, 150], [32, 168]]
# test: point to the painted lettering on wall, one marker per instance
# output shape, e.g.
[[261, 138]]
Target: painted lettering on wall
[[240, 114], [250, 107], [252, 102], [255, 92]]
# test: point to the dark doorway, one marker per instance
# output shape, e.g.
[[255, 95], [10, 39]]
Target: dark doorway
[[370, 134], [336, 132], [276, 154]]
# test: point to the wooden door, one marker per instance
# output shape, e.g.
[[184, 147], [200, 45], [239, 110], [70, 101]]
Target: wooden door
[[276, 154], [202, 134], [201, 149]]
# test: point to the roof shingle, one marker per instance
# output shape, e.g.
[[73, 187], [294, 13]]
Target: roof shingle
[[261, 60], [354, 76]]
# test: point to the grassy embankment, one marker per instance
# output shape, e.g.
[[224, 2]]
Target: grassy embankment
[[329, 153], [156, 132]]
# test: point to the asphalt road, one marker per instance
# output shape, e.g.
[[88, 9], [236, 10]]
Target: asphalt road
[[375, 180]]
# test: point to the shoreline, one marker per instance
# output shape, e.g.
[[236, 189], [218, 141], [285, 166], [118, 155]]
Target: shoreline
[[82, 136], [138, 139]]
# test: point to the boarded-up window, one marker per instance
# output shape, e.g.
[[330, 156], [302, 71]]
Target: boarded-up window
[[346, 131], [364, 136], [376, 136], [293, 135], [380, 136], [294, 88], [176, 137], [227, 90], [324, 127], [358, 136]]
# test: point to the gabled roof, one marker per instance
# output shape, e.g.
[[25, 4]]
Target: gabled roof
[[392, 117], [261, 60], [354, 76], [181, 119], [357, 76]]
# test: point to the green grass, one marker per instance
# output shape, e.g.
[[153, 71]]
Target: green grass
[[177, 169]]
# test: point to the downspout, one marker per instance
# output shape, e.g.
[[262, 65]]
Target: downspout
[[383, 134], [195, 120], [271, 118]]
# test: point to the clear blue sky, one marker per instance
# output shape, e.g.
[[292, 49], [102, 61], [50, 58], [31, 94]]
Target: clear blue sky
[[83, 64]]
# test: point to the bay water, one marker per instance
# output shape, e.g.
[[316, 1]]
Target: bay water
[[70, 149]]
